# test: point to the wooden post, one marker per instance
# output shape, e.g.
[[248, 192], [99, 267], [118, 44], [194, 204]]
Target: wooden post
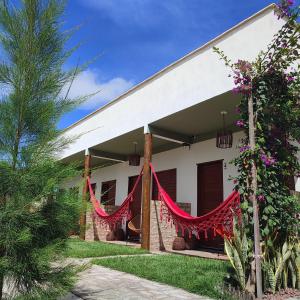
[[146, 192], [253, 188], [87, 165]]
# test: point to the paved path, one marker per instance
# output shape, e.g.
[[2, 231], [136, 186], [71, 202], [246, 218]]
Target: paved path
[[106, 284]]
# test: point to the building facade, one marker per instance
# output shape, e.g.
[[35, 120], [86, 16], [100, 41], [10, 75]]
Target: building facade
[[180, 107]]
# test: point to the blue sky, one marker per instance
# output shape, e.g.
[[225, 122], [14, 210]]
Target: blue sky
[[137, 38]]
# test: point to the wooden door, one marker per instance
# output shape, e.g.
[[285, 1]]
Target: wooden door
[[136, 205], [168, 181], [210, 195]]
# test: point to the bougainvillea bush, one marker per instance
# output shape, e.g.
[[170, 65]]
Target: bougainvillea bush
[[273, 82]]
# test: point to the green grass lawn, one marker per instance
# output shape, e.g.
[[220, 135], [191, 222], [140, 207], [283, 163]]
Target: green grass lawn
[[197, 275], [82, 249]]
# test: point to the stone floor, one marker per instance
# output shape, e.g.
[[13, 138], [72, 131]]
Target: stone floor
[[106, 284], [199, 253], [196, 253]]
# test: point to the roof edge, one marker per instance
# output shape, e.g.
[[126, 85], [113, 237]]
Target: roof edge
[[272, 6]]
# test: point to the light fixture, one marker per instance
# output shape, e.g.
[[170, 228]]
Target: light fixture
[[224, 137], [186, 146], [134, 159]]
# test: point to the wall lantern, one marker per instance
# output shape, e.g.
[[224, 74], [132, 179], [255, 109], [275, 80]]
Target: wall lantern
[[134, 159], [224, 137]]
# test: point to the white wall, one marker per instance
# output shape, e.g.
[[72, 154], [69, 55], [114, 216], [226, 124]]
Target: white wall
[[196, 78], [184, 160]]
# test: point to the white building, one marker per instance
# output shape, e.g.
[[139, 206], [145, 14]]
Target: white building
[[179, 105]]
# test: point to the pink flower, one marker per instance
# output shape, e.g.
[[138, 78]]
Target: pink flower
[[244, 148], [236, 90], [240, 123], [290, 78], [261, 198], [285, 8], [267, 160]]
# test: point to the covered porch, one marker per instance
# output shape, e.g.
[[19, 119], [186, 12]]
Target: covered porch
[[182, 148]]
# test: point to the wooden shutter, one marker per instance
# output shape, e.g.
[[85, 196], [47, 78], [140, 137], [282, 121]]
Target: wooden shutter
[[210, 195], [168, 181], [108, 192]]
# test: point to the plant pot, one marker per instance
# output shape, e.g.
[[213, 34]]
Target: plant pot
[[178, 243]]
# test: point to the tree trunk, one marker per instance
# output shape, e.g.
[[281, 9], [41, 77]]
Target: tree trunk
[[1, 285], [253, 192]]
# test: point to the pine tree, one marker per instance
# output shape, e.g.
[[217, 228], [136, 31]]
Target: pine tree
[[35, 214]]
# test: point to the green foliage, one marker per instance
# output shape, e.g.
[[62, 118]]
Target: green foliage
[[82, 249], [272, 81], [282, 267], [275, 89], [237, 248], [36, 216]]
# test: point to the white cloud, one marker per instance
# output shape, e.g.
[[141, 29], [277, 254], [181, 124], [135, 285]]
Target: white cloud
[[88, 82]]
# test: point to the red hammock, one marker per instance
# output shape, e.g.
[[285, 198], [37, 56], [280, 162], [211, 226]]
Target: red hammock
[[219, 220], [121, 215]]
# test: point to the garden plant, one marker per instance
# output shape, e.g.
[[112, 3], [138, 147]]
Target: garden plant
[[36, 216], [269, 115]]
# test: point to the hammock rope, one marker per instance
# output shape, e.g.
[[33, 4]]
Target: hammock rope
[[121, 215], [218, 221]]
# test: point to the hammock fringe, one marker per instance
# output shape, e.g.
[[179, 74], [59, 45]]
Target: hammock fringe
[[218, 221], [120, 216]]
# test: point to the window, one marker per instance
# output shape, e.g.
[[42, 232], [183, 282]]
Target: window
[[108, 192], [167, 180]]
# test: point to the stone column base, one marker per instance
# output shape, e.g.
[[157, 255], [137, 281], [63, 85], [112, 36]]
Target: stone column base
[[94, 231], [162, 234]]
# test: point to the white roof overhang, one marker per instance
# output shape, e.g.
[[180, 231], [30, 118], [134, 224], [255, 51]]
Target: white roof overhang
[[185, 98]]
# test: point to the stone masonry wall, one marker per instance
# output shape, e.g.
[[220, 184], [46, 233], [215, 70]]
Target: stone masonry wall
[[162, 234], [100, 230]]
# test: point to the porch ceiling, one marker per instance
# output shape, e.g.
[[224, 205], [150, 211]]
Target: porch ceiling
[[122, 145], [200, 122], [204, 119]]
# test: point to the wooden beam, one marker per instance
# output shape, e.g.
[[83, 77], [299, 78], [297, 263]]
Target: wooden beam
[[82, 222], [146, 192], [170, 135], [108, 155]]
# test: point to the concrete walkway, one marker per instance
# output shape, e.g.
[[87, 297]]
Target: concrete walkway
[[106, 284]]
